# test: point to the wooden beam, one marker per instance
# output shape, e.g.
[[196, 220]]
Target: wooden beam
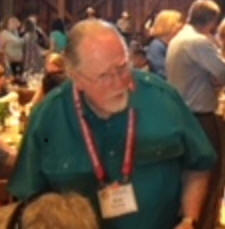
[[54, 7], [7, 7], [61, 8]]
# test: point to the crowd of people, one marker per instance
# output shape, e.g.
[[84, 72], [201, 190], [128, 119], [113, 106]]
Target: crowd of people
[[128, 136]]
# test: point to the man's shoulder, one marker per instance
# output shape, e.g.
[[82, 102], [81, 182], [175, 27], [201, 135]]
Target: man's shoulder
[[58, 93], [53, 101], [188, 36], [153, 82]]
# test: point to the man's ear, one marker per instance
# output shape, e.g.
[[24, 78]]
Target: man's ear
[[75, 76], [79, 82]]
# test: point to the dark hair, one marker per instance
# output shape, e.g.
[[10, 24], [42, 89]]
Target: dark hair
[[203, 12], [52, 80], [58, 25], [29, 26]]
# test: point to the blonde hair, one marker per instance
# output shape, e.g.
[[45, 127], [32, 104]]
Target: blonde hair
[[57, 60], [68, 211], [166, 22]]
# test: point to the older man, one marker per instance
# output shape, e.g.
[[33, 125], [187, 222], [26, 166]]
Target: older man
[[83, 137]]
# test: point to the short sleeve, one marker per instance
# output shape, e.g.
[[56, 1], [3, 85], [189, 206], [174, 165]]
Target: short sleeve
[[199, 154], [27, 179]]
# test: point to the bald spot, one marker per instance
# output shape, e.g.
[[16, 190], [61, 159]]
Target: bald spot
[[99, 41]]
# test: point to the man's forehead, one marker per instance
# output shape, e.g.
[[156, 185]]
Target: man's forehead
[[103, 38], [102, 55], [99, 46]]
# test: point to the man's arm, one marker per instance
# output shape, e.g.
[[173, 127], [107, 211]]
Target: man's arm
[[207, 55], [194, 194]]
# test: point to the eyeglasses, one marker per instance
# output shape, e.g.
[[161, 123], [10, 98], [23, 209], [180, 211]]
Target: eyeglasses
[[120, 73]]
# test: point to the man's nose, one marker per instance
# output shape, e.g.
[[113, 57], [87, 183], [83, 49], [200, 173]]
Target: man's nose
[[121, 81]]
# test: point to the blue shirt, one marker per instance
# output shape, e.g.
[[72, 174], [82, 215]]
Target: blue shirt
[[195, 67], [156, 54]]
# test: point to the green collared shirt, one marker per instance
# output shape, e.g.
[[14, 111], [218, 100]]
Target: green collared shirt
[[169, 140]]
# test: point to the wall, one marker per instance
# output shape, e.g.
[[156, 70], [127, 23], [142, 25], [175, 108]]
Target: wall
[[139, 9], [108, 9]]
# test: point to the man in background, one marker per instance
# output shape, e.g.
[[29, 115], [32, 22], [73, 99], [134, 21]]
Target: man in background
[[196, 68]]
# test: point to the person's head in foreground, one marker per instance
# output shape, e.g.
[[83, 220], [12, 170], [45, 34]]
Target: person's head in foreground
[[55, 211], [98, 61]]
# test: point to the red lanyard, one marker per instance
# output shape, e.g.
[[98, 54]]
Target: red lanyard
[[91, 145]]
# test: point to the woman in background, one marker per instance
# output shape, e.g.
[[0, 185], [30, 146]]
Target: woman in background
[[12, 45], [166, 25], [58, 37], [33, 60], [54, 76]]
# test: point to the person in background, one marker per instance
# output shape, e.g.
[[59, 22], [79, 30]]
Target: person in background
[[138, 58], [137, 53], [55, 63], [43, 40], [166, 25], [195, 67], [90, 13], [125, 26], [82, 132], [33, 59], [12, 46], [48, 211], [54, 76], [58, 36]]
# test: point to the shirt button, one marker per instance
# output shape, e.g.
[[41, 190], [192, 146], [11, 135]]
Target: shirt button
[[159, 153], [108, 125], [112, 153], [65, 165], [147, 78]]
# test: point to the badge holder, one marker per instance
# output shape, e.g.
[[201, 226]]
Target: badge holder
[[117, 199]]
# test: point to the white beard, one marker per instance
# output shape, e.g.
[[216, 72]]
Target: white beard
[[117, 105]]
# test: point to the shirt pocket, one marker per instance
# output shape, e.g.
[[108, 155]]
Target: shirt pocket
[[68, 171], [159, 150]]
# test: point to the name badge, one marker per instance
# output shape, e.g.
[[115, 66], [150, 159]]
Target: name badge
[[117, 200]]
